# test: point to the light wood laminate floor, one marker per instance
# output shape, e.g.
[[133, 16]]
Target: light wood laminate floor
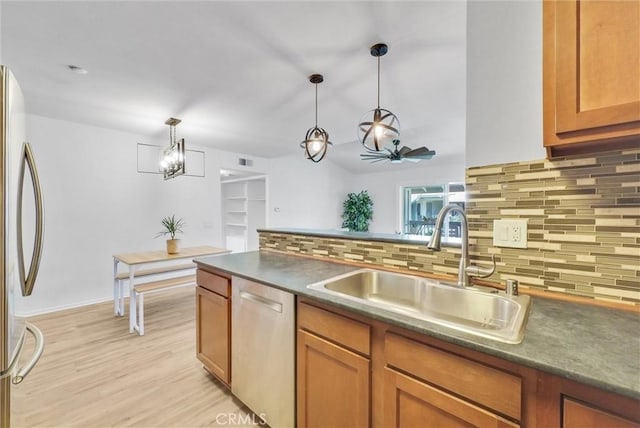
[[93, 373]]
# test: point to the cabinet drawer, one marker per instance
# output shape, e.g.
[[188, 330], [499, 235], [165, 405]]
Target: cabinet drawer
[[495, 389], [212, 282], [349, 333]]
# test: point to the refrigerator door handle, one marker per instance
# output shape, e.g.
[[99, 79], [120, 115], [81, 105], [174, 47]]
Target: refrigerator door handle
[[29, 280], [8, 372], [37, 353]]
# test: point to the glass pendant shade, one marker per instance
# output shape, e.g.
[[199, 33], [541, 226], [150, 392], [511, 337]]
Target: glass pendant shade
[[316, 140], [377, 129]]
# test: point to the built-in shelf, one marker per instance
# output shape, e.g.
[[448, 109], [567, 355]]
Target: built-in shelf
[[244, 203]]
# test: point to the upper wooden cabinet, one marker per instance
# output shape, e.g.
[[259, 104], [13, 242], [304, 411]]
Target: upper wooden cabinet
[[591, 75]]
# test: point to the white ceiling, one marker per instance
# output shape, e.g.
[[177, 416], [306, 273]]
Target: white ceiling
[[236, 73]]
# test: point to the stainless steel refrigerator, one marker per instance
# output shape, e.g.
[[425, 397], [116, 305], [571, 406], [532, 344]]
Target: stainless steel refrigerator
[[16, 159]]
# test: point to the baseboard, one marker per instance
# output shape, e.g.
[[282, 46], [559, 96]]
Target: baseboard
[[74, 305]]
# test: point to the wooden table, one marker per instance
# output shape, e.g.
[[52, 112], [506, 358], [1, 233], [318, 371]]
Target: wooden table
[[136, 260]]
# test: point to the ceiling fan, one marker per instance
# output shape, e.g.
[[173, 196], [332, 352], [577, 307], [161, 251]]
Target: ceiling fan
[[398, 155]]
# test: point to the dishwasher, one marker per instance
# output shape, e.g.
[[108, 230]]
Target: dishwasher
[[263, 350]]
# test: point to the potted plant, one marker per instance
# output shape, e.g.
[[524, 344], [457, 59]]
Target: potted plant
[[358, 212], [171, 227]]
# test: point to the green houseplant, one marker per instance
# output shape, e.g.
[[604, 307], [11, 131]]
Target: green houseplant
[[358, 212], [172, 226]]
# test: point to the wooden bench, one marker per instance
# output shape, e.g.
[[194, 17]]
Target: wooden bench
[[155, 286], [122, 277]]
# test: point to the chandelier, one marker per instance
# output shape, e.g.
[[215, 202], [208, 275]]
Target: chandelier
[[172, 163]]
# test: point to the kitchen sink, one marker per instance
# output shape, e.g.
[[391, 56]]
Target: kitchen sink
[[492, 315]]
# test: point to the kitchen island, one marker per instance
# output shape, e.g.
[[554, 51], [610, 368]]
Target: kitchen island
[[596, 347]]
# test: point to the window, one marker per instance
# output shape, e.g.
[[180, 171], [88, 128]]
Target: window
[[421, 205]]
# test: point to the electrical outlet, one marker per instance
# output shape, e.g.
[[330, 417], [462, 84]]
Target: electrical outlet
[[510, 233], [515, 233]]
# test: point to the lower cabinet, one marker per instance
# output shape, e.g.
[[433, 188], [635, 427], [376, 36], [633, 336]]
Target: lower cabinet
[[412, 403], [333, 370], [213, 324], [333, 384], [582, 415], [482, 393], [353, 371]]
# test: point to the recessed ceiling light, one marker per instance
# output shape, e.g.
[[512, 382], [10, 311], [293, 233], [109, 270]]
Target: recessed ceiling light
[[77, 70]]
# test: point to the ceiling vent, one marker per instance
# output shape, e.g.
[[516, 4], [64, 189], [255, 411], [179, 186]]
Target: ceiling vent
[[245, 162]]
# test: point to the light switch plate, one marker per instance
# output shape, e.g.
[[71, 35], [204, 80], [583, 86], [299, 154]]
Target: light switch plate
[[510, 233]]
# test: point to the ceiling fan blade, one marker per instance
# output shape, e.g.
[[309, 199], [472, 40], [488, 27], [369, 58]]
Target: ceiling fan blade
[[420, 152], [404, 150]]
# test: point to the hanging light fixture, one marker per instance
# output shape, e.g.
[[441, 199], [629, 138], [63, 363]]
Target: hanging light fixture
[[173, 159], [316, 141], [379, 127]]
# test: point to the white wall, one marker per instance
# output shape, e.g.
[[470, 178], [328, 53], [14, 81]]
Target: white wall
[[96, 205], [504, 82], [303, 194], [384, 188]]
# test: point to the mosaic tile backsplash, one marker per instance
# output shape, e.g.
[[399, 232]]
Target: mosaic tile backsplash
[[583, 215]]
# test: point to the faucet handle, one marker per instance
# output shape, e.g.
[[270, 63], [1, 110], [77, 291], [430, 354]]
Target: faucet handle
[[481, 272]]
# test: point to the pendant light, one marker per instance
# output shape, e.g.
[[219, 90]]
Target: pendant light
[[316, 141], [172, 163], [379, 127]]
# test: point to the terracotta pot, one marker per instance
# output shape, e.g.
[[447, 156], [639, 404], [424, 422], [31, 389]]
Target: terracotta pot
[[173, 246]]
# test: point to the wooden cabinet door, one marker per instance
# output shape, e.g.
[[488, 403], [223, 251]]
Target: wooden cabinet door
[[212, 333], [333, 384], [591, 71], [411, 403], [578, 415]]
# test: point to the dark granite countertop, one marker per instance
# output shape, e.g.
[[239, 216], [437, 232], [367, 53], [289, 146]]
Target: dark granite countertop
[[596, 346], [365, 236]]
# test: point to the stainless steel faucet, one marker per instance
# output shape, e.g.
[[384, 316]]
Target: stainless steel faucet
[[465, 270]]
